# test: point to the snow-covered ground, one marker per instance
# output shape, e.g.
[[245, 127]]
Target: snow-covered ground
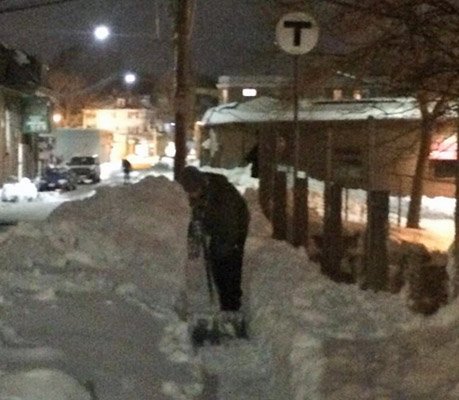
[[91, 287]]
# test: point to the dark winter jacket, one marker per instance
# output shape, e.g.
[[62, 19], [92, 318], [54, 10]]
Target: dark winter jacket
[[126, 165], [252, 157], [220, 214]]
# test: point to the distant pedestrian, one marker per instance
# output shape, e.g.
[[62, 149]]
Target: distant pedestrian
[[127, 168]]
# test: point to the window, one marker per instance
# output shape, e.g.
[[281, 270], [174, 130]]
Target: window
[[337, 94], [247, 92], [224, 95], [357, 95], [348, 163], [8, 132], [443, 168]]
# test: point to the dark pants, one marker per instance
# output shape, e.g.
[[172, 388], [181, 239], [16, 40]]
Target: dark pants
[[226, 266], [127, 174]]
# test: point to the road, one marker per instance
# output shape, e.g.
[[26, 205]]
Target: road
[[39, 209]]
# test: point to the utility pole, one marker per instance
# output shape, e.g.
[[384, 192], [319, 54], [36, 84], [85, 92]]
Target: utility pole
[[455, 276], [182, 42]]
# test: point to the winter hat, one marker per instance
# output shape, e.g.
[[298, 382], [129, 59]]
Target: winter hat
[[192, 179]]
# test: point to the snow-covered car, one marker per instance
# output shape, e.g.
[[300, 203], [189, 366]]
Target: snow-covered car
[[86, 168], [24, 190], [57, 178]]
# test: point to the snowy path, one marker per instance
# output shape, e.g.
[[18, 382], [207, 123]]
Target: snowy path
[[239, 369], [103, 340]]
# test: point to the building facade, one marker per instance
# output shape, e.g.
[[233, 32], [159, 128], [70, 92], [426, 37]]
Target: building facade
[[338, 87], [131, 121], [373, 137], [25, 115]]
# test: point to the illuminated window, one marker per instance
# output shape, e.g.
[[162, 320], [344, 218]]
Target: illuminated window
[[249, 92], [357, 95], [225, 95], [337, 94], [8, 131]]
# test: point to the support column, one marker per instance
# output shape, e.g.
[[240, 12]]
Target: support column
[[376, 258], [376, 235], [279, 194], [332, 251], [279, 210]]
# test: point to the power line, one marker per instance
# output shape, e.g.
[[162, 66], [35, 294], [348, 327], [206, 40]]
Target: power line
[[33, 6]]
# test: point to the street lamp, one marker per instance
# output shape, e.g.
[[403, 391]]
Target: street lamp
[[101, 32], [57, 118], [130, 78]]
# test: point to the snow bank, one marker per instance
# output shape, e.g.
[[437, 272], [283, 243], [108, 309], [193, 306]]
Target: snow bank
[[41, 384], [326, 340], [138, 230], [330, 340]]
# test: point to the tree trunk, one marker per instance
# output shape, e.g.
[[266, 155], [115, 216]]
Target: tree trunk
[[414, 210]]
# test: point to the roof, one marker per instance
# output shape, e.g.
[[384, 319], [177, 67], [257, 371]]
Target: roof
[[267, 109], [226, 81]]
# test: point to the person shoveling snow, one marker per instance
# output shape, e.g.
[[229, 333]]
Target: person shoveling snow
[[217, 231]]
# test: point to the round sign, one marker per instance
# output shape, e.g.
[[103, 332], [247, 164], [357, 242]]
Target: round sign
[[297, 33]]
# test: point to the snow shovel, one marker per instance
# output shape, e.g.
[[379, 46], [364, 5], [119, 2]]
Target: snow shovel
[[211, 329], [208, 329]]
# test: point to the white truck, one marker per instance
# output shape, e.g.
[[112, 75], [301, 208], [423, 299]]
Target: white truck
[[81, 142]]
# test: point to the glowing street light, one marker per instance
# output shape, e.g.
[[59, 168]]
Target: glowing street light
[[130, 78], [57, 118], [101, 32]]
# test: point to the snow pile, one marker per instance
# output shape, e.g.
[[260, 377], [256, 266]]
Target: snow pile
[[41, 384], [133, 238], [24, 190], [139, 230], [315, 329]]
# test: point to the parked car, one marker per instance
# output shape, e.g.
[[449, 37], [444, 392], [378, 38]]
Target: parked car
[[57, 178], [86, 168]]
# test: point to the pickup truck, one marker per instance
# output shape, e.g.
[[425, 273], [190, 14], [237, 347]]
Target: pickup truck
[[85, 168]]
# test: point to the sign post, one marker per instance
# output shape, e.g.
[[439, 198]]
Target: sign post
[[297, 33]]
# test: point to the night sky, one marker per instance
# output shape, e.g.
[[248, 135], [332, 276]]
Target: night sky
[[230, 36]]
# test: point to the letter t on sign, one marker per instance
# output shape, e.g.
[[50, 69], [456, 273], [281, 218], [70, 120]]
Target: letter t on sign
[[297, 33], [297, 27]]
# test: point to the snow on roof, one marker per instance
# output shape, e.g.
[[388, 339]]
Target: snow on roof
[[21, 57], [266, 109], [225, 81]]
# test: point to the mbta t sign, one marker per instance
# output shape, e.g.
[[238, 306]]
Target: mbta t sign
[[297, 33]]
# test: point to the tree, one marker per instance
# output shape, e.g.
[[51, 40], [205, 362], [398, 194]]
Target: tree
[[67, 88], [413, 45]]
